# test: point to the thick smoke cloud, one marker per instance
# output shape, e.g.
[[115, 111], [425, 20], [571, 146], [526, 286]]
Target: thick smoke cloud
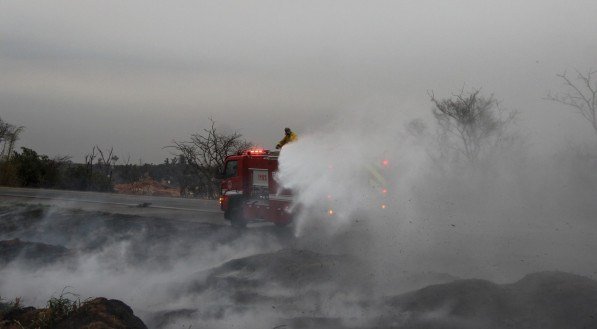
[[519, 210], [363, 161]]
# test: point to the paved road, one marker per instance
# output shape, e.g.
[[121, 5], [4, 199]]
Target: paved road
[[161, 207]]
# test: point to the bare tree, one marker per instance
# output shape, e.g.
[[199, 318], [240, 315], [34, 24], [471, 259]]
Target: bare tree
[[4, 128], [206, 153], [470, 123], [106, 161], [580, 95], [98, 168], [89, 158], [9, 135]]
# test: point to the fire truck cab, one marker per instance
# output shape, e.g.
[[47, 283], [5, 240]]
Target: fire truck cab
[[250, 192]]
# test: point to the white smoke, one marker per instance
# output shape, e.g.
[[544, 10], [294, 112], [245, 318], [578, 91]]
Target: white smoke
[[361, 164], [498, 219]]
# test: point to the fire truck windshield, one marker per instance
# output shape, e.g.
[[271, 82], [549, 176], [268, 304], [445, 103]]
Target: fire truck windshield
[[231, 169]]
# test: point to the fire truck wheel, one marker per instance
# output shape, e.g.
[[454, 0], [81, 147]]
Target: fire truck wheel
[[236, 215]]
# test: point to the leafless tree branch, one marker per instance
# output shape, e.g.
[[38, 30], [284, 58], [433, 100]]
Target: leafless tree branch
[[475, 122], [206, 152], [9, 135], [580, 95]]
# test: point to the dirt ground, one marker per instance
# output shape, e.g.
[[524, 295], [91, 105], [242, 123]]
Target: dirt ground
[[178, 273]]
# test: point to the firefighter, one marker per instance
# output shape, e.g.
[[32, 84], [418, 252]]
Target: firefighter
[[289, 136]]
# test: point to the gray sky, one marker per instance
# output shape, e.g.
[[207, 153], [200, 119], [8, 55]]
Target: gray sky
[[136, 75]]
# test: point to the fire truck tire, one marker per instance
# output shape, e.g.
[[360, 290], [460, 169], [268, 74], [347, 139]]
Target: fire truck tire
[[236, 215]]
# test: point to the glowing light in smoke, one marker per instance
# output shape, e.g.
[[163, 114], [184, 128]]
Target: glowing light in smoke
[[330, 212], [385, 163], [256, 152]]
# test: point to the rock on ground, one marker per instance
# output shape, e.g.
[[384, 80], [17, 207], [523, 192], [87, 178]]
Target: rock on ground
[[98, 313]]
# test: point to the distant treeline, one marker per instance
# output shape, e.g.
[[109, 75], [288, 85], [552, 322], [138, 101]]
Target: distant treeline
[[27, 168], [193, 171]]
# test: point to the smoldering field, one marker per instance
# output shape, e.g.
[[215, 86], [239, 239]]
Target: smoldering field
[[521, 219]]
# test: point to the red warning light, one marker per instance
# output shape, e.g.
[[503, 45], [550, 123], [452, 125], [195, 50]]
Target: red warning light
[[385, 163], [256, 152], [384, 191]]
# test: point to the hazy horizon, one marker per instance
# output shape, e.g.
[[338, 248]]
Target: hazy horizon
[[135, 76]]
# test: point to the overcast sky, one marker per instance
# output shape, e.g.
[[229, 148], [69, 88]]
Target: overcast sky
[[136, 75]]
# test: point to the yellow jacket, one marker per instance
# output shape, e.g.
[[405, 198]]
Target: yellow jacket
[[287, 139]]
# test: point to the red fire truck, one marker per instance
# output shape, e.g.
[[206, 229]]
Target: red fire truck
[[250, 192]]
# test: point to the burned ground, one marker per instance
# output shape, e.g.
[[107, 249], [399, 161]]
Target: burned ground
[[182, 273], [32, 253], [539, 300]]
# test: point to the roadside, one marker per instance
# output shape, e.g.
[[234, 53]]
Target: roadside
[[159, 207]]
